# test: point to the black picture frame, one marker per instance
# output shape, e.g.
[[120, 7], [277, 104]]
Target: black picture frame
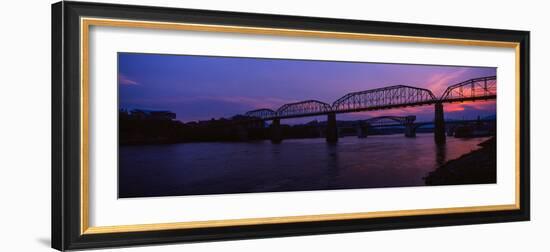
[[66, 114]]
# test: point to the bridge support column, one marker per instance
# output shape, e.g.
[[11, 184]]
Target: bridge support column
[[260, 124], [276, 131], [410, 130], [332, 130], [439, 123], [362, 131]]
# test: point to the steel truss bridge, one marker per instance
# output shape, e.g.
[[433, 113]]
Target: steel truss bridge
[[398, 96], [389, 120]]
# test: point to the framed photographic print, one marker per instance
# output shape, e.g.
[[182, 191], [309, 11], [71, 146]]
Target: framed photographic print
[[179, 125]]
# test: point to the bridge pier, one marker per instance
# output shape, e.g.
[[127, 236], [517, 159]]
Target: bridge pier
[[410, 130], [439, 124], [260, 124], [362, 131], [276, 131], [332, 130]]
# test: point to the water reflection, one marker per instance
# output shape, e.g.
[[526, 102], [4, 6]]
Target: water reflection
[[333, 165], [293, 165], [440, 153]]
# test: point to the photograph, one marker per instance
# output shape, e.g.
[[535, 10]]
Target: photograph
[[196, 123], [204, 125]]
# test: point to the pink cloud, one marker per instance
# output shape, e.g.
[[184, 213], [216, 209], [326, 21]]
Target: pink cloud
[[124, 80], [437, 83], [478, 105]]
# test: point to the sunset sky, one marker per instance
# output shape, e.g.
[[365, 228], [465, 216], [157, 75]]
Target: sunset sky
[[201, 87]]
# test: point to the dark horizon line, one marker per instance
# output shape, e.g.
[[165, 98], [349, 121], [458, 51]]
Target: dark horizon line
[[230, 118]]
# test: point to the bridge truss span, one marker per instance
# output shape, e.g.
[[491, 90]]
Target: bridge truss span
[[391, 120], [303, 108], [484, 88], [263, 113], [384, 98]]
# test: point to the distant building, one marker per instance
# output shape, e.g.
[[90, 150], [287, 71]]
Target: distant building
[[153, 114]]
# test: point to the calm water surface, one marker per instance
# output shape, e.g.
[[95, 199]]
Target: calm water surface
[[293, 165]]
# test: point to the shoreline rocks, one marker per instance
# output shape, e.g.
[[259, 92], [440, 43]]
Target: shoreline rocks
[[475, 167]]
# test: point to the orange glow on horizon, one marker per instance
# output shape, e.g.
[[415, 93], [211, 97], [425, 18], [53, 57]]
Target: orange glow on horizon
[[477, 105]]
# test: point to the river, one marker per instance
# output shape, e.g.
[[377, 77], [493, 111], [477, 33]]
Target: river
[[293, 165]]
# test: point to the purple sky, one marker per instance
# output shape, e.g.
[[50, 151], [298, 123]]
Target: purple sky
[[201, 87]]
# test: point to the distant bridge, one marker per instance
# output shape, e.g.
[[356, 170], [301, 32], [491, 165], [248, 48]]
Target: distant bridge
[[399, 96], [397, 120], [362, 127], [407, 122]]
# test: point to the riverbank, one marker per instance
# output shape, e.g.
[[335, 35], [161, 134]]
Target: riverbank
[[476, 167]]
